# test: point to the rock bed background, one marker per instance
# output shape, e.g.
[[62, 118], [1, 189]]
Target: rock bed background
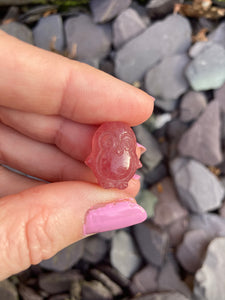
[[179, 252]]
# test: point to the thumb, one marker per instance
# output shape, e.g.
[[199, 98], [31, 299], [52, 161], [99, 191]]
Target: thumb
[[39, 222]]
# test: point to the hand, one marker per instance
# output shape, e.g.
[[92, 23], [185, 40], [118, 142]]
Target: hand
[[48, 108]]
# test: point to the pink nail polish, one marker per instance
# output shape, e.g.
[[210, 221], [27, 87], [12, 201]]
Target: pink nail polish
[[113, 215], [136, 177]]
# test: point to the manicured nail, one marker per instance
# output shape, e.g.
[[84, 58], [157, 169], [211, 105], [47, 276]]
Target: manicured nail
[[113, 215], [136, 177]]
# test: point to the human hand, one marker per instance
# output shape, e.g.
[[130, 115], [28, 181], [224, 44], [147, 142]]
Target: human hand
[[49, 108]]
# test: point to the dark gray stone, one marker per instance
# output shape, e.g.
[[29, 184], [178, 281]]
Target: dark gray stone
[[18, 30], [207, 70], [115, 275], [96, 43], [209, 280], [147, 200], [152, 157], [176, 231], [202, 140], [48, 33], [166, 80], [152, 242], [169, 280], [199, 189], [55, 283], [167, 209], [157, 174], [8, 291], [61, 297], [64, 259], [145, 281], [192, 105], [220, 97], [95, 249], [174, 129], [218, 35], [161, 120], [164, 38], [124, 255], [162, 296], [106, 10], [160, 8], [107, 235], [126, 26], [114, 288], [190, 252], [95, 290], [28, 293]]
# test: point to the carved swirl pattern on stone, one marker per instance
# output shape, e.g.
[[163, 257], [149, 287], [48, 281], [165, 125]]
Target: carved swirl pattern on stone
[[113, 158]]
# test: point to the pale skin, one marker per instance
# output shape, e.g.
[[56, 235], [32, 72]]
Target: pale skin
[[50, 107]]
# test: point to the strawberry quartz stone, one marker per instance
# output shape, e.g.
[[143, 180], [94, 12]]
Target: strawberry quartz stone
[[113, 158]]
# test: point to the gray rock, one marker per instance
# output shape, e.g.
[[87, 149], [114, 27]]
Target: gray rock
[[49, 34], [199, 190], [175, 129], [211, 223], [169, 280], [145, 281], [115, 275], [218, 35], [60, 297], [207, 70], [209, 280], [191, 251], [176, 231], [157, 174], [222, 210], [95, 249], [168, 106], [166, 80], [114, 288], [8, 290], [107, 235], [199, 47], [64, 259], [160, 8], [95, 290], [164, 38], [152, 242], [18, 30], [202, 140], [126, 26], [106, 10], [167, 209], [220, 97], [192, 105], [28, 293], [162, 296], [152, 157], [96, 43], [147, 200], [54, 283], [124, 255], [162, 119]]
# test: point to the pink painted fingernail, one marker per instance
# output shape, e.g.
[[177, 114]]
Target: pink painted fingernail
[[113, 215], [136, 177]]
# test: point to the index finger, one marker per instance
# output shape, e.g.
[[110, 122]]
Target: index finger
[[35, 80]]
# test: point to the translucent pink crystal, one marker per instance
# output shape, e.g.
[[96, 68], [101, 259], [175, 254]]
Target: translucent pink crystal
[[113, 158]]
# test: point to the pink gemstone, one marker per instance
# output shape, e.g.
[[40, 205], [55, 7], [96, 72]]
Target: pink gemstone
[[113, 158]]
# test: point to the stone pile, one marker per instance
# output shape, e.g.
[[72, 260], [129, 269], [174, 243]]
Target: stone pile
[[178, 253]]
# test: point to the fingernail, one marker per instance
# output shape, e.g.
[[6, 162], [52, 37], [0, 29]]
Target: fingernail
[[136, 177], [113, 215]]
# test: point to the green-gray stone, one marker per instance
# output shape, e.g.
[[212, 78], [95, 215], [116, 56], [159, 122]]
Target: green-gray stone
[[147, 200]]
